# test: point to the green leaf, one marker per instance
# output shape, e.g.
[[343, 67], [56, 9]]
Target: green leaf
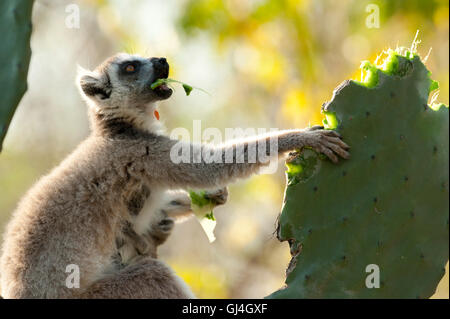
[[187, 89], [158, 83]]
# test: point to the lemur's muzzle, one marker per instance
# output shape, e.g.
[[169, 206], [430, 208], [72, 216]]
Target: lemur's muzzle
[[161, 67], [161, 71]]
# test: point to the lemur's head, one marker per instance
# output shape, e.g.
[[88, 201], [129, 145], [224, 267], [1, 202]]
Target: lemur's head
[[120, 88]]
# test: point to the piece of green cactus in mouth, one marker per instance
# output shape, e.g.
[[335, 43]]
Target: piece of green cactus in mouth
[[186, 87]]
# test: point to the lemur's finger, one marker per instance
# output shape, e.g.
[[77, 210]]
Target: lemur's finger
[[315, 127], [339, 150], [219, 196], [338, 141], [331, 133], [329, 153]]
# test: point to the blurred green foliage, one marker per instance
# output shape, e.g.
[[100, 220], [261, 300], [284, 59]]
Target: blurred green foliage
[[302, 45]]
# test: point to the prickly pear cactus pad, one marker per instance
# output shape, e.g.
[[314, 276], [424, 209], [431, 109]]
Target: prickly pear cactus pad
[[387, 206], [15, 53]]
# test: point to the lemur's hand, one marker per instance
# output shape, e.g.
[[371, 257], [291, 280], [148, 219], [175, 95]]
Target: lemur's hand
[[219, 196], [328, 142]]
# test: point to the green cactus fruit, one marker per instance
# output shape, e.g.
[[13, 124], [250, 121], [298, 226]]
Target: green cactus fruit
[[386, 206], [15, 53]]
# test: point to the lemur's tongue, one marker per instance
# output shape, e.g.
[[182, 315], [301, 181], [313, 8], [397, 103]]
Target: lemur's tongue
[[156, 113]]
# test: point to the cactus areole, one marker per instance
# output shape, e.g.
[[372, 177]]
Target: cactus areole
[[377, 225]]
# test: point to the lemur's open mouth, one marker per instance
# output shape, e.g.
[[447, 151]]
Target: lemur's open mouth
[[163, 91]]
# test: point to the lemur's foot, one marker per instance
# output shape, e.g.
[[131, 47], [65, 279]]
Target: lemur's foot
[[219, 196], [174, 205], [177, 204], [166, 225], [161, 230], [328, 142]]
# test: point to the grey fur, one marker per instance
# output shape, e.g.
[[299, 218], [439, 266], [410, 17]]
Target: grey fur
[[77, 213]]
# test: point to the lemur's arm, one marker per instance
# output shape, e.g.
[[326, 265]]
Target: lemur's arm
[[196, 172]]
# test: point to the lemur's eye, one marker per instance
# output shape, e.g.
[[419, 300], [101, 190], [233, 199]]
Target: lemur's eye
[[130, 68]]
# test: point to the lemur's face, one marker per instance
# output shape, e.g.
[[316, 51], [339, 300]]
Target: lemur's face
[[125, 81]]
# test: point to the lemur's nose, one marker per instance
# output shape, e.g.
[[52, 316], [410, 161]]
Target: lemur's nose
[[161, 67], [161, 61]]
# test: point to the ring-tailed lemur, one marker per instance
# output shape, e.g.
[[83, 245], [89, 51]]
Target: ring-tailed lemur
[[77, 213]]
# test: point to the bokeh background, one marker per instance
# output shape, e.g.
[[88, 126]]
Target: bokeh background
[[266, 63]]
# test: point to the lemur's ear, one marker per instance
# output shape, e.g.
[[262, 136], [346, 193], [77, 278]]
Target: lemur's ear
[[93, 84]]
